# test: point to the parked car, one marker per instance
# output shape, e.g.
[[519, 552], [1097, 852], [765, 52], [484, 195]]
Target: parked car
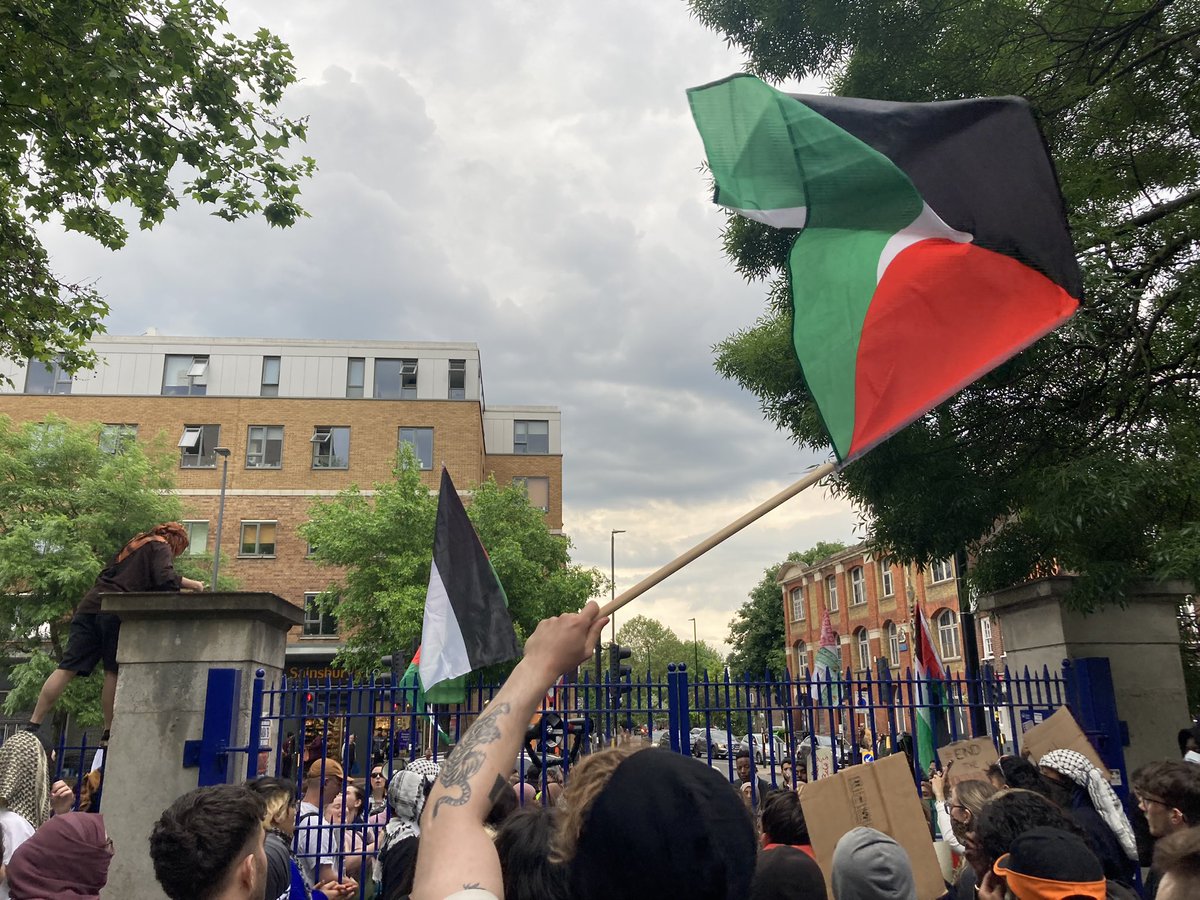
[[763, 746], [804, 749], [714, 741]]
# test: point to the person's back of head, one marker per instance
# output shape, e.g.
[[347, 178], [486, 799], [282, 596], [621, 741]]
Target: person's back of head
[[783, 819], [25, 778], [869, 865], [1020, 773], [1009, 814], [787, 873], [664, 822], [1173, 782], [1177, 858], [524, 844], [1047, 864], [209, 843], [68, 856], [278, 796]]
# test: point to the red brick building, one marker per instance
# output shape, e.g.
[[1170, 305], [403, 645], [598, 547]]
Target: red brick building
[[871, 605]]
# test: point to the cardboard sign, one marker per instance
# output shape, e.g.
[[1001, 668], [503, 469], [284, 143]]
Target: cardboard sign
[[970, 759], [880, 795], [1059, 732]]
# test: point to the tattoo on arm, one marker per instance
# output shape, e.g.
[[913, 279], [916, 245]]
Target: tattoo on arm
[[468, 757]]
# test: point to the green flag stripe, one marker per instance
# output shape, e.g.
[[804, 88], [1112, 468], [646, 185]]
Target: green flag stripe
[[856, 199]]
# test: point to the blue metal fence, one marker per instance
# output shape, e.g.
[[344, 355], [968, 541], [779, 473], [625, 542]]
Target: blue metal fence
[[807, 725]]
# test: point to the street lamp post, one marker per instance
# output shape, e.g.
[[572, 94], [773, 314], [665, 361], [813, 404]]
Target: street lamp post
[[612, 573], [222, 452], [696, 647]]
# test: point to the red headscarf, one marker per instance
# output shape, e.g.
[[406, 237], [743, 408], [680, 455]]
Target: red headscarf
[[66, 859], [172, 533]]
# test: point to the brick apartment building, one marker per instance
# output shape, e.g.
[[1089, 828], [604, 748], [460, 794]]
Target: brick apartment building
[[872, 604], [301, 420]]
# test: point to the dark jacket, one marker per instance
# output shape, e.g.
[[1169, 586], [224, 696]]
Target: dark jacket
[[151, 567]]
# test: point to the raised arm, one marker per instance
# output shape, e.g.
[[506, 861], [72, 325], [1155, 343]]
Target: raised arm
[[455, 852]]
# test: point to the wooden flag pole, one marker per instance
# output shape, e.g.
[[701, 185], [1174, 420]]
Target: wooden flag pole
[[712, 540]]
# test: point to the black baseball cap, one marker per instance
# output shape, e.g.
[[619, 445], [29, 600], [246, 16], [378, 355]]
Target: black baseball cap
[[1051, 864]]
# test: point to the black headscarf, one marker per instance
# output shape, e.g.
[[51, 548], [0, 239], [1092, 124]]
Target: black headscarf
[[670, 825]]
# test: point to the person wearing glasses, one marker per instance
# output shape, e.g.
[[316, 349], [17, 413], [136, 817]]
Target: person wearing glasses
[[1168, 793]]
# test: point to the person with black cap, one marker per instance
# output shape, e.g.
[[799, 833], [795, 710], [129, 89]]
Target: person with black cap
[[666, 823], [1046, 864]]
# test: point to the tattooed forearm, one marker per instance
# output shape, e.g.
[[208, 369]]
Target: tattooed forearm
[[468, 757]]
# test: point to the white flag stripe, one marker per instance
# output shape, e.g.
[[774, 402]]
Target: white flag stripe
[[787, 217], [443, 653]]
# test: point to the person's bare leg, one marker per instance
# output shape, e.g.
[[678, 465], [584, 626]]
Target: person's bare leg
[[108, 698], [51, 691]]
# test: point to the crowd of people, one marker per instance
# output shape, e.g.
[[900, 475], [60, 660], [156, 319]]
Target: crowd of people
[[632, 817]]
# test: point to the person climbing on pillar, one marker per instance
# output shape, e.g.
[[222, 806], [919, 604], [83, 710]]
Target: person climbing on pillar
[[146, 563]]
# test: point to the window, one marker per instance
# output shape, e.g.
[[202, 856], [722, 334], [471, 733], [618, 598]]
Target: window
[[258, 539], [858, 587], [395, 379], [331, 447], [356, 374], [198, 445], [985, 637], [797, 597], [197, 533], [421, 440], [185, 376], [316, 622], [270, 376], [885, 578], [115, 439], [943, 570], [893, 644], [458, 379], [864, 649], [264, 447], [801, 659], [947, 626], [531, 436], [831, 593], [537, 490], [47, 379], [837, 646]]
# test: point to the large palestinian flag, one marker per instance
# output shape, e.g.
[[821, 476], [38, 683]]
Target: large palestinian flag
[[932, 240], [467, 625]]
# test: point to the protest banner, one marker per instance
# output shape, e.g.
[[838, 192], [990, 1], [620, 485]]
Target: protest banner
[[966, 760], [878, 795], [1060, 732]]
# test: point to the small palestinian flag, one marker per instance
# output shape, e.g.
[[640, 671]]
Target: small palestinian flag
[[932, 240], [466, 625], [928, 672]]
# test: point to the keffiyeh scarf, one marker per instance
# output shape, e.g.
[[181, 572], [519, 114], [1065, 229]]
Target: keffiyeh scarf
[[25, 778], [406, 796], [1076, 766]]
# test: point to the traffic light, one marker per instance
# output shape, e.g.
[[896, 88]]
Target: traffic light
[[620, 677]]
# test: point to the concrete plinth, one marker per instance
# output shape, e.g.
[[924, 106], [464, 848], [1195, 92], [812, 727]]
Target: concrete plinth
[[168, 644], [1140, 640]]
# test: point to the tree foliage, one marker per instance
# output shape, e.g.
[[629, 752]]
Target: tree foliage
[[105, 106], [757, 632], [1081, 452], [382, 547], [66, 506], [655, 646]]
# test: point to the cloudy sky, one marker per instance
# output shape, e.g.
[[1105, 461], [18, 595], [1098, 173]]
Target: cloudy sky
[[523, 175]]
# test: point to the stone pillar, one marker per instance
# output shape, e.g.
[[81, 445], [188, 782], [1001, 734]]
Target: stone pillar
[[168, 644], [1140, 640]]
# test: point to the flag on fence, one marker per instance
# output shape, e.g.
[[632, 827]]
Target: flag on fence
[[922, 225], [928, 672], [827, 664], [466, 624], [453, 690]]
